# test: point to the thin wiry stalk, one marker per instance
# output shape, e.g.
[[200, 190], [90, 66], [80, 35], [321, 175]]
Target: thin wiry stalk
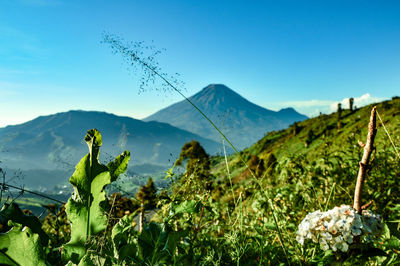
[[390, 138], [227, 170], [4, 185], [330, 195], [119, 47]]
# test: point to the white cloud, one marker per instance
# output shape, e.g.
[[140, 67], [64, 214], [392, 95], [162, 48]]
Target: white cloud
[[314, 107], [358, 101], [310, 103]]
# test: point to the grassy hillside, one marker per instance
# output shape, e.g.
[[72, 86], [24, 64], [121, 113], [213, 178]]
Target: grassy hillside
[[330, 155], [309, 166], [219, 213], [326, 136]]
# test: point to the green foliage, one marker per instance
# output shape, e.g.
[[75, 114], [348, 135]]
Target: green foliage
[[157, 244], [310, 137], [13, 212], [21, 246], [270, 163], [147, 194], [198, 163], [87, 206], [233, 221], [256, 165]]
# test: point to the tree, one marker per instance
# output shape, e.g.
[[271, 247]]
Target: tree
[[310, 138], [339, 111], [198, 161], [351, 102], [147, 196], [339, 116], [296, 128], [197, 175]]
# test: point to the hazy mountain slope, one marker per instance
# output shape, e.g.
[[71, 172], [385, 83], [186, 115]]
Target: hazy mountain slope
[[56, 141], [242, 121], [326, 139]]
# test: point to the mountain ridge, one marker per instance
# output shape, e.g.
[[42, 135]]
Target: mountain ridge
[[242, 121], [54, 141]]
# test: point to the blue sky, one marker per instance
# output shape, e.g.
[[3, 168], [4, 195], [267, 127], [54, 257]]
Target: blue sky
[[305, 54]]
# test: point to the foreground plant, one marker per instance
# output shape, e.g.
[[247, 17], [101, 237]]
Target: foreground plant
[[338, 228], [342, 226], [87, 207]]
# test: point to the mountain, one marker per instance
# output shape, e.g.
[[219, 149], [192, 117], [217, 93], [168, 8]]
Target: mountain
[[55, 142], [241, 121]]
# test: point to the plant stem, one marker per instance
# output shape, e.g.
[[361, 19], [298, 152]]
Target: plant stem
[[390, 138], [196, 230], [134, 57], [364, 163], [227, 170], [141, 217]]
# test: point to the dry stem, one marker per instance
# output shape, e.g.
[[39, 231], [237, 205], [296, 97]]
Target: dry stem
[[364, 164]]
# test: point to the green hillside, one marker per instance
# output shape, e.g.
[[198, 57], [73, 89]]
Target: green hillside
[[218, 211], [326, 136], [309, 166]]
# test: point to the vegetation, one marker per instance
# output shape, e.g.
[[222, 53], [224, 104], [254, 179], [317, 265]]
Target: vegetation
[[244, 209], [217, 212]]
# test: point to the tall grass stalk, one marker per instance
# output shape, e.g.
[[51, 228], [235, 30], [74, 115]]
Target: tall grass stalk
[[330, 196], [117, 46], [227, 170], [390, 138]]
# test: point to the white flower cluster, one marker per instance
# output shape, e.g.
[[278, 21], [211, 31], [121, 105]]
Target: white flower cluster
[[336, 228]]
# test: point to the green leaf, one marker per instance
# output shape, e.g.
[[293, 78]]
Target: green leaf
[[127, 252], [122, 236], [188, 206], [393, 229], [270, 226], [20, 246], [87, 206], [13, 212], [173, 240], [93, 259], [149, 240], [119, 165], [394, 243]]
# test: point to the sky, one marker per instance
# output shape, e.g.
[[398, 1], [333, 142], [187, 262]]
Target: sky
[[305, 54]]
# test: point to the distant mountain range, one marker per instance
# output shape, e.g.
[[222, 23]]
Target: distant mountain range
[[47, 148], [242, 122], [54, 143]]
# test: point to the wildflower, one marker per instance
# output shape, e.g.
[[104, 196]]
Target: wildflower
[[335, 229]]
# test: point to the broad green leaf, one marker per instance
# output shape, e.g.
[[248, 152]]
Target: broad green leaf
[[13, 212], [87, 207], [394, 243], [119, 165], [123, 236], [173, 240], [188, 206], [20, 246], [150, 240]]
